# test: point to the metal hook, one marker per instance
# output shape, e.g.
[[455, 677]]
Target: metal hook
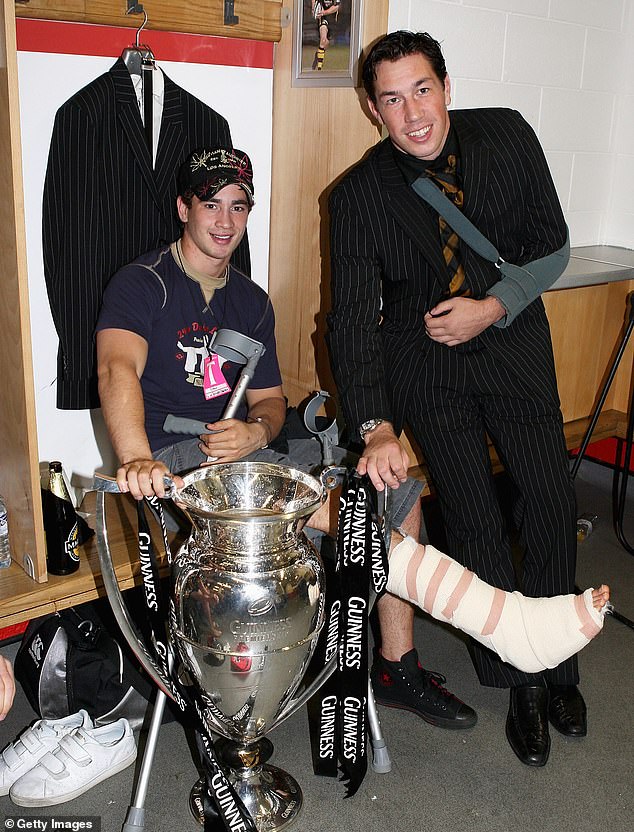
[[230, 18], [140, 29], [137, 8]]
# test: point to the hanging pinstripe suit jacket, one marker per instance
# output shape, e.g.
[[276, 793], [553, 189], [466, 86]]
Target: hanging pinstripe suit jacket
[[104, 205], [386, 262]]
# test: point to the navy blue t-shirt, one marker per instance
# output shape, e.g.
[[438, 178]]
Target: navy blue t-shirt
[[154, 298]]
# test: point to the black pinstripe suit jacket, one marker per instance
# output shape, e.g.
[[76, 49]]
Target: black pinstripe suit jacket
[[104, 205], [387, 267]]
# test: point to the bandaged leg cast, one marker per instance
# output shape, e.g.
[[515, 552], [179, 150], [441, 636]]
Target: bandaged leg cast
[[532, 634]]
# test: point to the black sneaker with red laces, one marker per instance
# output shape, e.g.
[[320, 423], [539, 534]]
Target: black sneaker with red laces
[[409, 686]]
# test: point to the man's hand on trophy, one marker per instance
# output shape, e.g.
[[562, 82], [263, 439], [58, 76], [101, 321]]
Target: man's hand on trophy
[[384, 459], [144, 478]]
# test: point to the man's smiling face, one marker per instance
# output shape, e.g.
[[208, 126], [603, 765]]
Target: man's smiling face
[[411, 101], [213, 228]]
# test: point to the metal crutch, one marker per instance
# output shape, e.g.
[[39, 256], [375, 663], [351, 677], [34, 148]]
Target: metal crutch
[[232, 346], [135, 817]]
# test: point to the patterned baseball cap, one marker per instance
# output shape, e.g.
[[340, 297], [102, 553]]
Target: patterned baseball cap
[[207, 170]]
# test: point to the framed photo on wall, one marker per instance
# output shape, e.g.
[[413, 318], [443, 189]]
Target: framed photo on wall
[[327, 36]]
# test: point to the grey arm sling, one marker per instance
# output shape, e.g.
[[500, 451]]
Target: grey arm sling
[[523, 283]]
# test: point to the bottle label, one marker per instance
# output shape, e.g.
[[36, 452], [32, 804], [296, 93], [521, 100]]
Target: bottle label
[[4, 524], [72, 542]]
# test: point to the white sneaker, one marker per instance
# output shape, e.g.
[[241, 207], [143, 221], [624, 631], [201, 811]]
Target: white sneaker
[[43, 736], [83, 758]]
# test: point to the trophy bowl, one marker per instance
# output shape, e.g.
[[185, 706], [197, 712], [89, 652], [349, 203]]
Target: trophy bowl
[[247, 606]]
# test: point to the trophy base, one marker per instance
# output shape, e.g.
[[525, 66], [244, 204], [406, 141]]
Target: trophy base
[[271, 796]]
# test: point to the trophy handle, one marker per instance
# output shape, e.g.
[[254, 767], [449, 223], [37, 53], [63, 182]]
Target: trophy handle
[[294, 704], [105, 485]]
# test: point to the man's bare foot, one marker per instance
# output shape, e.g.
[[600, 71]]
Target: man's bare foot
[[600, 596]]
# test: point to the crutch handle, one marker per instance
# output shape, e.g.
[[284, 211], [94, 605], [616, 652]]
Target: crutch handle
[[181, 424]]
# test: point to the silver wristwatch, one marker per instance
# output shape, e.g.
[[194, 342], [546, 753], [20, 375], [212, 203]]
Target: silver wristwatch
[[368, 426]]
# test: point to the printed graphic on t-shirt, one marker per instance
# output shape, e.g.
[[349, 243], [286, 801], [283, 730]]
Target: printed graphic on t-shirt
[[202, 366]]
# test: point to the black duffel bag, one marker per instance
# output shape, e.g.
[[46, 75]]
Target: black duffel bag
[[69, 660]]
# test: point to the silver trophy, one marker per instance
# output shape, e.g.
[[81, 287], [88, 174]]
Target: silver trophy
[[248, 594]]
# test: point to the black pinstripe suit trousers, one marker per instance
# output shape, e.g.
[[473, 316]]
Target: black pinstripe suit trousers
[[461, 396]]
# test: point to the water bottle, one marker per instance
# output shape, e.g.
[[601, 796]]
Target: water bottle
[[60, 525], [5, 551]]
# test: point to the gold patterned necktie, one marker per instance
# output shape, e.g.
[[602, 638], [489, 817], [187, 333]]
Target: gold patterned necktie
[[447, 179]]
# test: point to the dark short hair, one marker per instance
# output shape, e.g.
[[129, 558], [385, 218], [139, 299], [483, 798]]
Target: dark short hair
[[397, 45]]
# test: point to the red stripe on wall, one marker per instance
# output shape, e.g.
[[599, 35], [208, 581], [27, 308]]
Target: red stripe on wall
[[109, 41]]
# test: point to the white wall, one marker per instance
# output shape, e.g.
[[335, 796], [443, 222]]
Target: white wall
[[78, 437], [567, 66]]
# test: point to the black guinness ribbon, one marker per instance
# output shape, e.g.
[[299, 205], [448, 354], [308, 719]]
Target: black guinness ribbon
[[323, 708], [361, 558], [222, 807]]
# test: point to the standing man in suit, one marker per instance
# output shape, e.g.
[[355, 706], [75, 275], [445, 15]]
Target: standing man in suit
[[424, 332]]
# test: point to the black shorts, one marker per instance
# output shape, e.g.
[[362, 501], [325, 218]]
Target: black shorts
[[330, 22]]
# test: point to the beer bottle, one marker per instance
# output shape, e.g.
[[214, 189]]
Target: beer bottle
[[60, 525]]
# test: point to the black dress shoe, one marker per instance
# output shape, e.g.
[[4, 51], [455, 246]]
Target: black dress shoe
[[527, 724], [567, 710]]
